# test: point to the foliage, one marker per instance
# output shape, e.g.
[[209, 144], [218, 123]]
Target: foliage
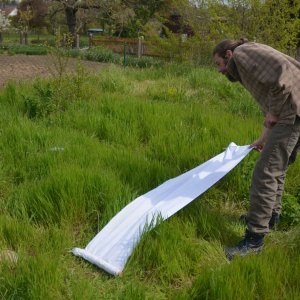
[[22, 20], [41, 103], [4, 24], [25, 49], [268, 22], [102, 54], [291, 211], [4, 21], [39, 10]]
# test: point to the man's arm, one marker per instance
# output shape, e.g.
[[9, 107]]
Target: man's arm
[[260, 142], [270, 120]]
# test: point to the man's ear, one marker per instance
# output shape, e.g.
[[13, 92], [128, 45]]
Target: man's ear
[[229, 54]]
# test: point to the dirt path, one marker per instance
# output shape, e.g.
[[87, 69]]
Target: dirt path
[[26, 67]]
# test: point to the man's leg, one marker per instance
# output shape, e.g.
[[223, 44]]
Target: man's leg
[[276, 212], [269, 173], [277, 207], [267, 183]]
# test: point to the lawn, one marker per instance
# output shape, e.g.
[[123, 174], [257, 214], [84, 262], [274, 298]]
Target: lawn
[[76, 149]]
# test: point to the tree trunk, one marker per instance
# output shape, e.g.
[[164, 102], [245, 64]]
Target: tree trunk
[[26, 38], [71, 21], [298, 45], [1, 37], [21, 38]]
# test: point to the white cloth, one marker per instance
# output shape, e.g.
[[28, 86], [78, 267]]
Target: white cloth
[[112, 246]]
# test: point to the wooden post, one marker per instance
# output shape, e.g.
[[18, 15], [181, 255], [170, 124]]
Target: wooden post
[[124, 55], [139, 54], [90, 40], [64, 40], [77, 41]]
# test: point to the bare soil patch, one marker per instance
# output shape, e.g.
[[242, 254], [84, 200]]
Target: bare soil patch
[[27, 67]]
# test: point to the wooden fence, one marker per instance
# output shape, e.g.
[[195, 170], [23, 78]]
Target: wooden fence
[[138, 46]]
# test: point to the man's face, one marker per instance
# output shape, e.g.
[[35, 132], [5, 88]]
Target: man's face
[[221, 64]]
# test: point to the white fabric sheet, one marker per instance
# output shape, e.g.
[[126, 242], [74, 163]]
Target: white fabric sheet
[[112, 246]]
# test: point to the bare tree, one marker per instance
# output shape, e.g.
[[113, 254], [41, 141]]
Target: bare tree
[[71, 9]]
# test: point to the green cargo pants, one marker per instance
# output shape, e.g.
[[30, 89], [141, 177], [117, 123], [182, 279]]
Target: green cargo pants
[[269, 173]]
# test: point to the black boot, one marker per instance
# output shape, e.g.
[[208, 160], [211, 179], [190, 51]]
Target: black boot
[[273, 223], [252, 243]]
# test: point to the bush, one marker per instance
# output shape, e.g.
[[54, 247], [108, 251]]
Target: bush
[[101, 54], [143, 62], [38, 42], [74, 53], [291, 210], [26, 49], [39, 103]]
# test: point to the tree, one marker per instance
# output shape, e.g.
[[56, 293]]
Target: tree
[[122, 16], [71, 9], [4, 24], [268, 21], [24, 17], [143, 12], [39, 9], [31, 14]]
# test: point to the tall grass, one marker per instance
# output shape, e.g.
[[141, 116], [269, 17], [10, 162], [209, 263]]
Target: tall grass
[[70, 160]]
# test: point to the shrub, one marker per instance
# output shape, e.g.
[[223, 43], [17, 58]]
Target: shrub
[[143, 62], [74, 53], [291, 210], [40, 103], [26, 49], [101, 54]]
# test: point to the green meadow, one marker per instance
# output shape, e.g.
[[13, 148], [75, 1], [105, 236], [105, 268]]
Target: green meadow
[[75, 150]]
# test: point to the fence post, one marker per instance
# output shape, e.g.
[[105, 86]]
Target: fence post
[[77, 41], [139, 54], [90, 40], [140, 46], [124, 55]]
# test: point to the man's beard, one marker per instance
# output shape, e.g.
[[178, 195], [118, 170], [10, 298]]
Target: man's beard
[[230, 77]]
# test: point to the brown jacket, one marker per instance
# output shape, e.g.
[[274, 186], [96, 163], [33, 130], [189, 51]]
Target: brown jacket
[[272, 78]]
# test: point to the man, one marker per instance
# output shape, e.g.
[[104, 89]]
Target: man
[[273, 79]]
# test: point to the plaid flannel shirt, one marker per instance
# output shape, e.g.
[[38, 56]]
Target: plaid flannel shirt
[[272, 78]]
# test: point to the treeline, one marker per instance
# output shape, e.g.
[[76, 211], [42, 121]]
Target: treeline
[[275, 22]]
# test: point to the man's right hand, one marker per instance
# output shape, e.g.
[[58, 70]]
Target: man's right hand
[[258, 145], [260, 142]]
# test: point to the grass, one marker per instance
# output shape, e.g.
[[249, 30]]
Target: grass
[[76, 151]]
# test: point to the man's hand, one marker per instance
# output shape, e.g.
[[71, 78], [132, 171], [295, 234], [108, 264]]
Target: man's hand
[[260, 142], [258, 145], [270, 120]]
